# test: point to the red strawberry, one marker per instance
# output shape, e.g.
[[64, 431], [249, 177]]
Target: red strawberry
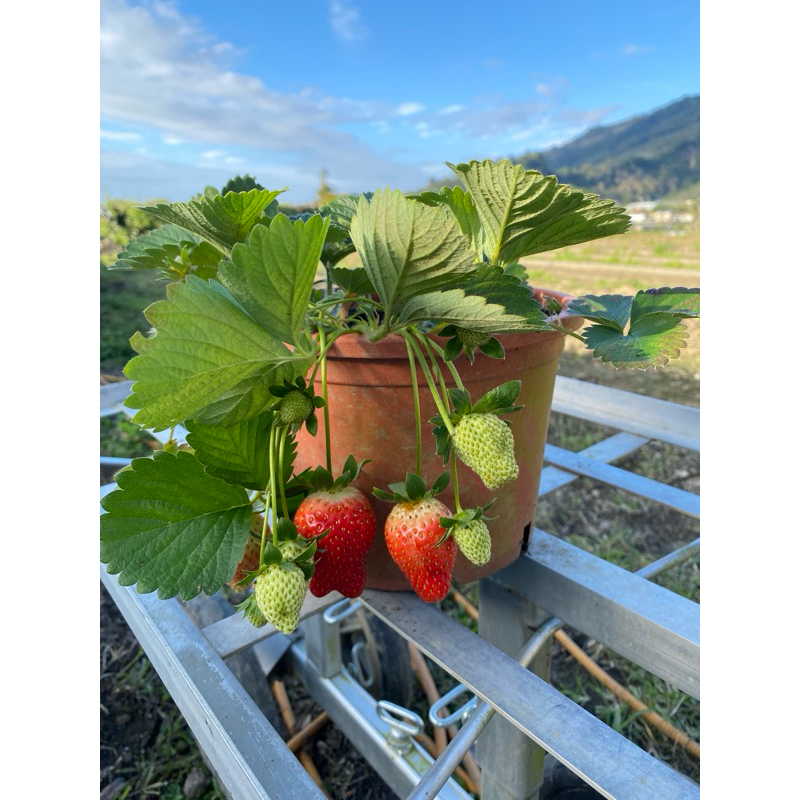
[[340, 564], [412, 532]]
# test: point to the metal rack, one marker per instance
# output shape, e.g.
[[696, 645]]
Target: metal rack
[[516, 715]]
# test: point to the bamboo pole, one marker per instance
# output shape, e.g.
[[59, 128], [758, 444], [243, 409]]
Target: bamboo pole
[[289, 719]]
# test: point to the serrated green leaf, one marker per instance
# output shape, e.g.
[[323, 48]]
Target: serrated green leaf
[[679, 302], [523, 212], [611, 310], [151, 250], [351, 280], [408, 248], [342, 209], [501, 397], [272, 554], [222, 220], [461, 401], [241, 183], [652, 341], [271, 275], [240, 453], [172, 527], [461, 205], [206, 350], [486, 301]]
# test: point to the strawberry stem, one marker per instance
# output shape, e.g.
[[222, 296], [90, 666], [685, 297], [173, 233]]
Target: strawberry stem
[[281, 450], [454, 472], [273, 486], [323, 374], [431, 384], [417, 415], [450, 365]]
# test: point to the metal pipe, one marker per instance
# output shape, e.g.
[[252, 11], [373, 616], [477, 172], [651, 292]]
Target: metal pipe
[[444, 766]]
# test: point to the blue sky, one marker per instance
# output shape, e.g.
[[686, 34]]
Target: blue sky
[[376, 93]]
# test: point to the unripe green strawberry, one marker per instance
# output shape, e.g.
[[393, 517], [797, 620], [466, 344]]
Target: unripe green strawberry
[[294, 407], [474, 541], [485, 444], [280, 591], [472, 338]]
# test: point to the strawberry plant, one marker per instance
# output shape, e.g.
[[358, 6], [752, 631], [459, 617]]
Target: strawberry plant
[[238, 354]]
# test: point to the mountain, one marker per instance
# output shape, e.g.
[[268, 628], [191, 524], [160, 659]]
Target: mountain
[[641, 158]]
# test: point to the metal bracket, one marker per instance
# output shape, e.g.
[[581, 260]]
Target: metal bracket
[[341, 610], [461, 714], [403, 724]]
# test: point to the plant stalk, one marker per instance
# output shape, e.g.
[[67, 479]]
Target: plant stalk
[[323, 374], [431, 383], [417, 415]]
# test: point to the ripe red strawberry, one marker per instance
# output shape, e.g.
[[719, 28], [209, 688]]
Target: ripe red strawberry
[[340, 564], [412, 533]]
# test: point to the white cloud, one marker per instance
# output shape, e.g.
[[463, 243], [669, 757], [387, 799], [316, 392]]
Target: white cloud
[[346, 22], [120, 136], [634, 50], [212, 155], [406, 109], [451, 109], [163, 70]]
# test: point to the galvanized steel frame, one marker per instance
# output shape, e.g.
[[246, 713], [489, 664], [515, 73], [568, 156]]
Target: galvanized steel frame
[[642, 621]]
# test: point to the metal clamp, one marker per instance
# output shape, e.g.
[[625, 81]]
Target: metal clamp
[[461, 714], [341, 610], [360, 667], [403, 724]]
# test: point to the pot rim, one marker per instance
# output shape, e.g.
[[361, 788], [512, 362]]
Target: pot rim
[[394, 346]]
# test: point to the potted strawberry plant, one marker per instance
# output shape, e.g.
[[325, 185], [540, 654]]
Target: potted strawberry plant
[[374, 425]]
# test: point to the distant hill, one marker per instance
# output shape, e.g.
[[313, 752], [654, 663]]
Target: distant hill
[[642, 158]]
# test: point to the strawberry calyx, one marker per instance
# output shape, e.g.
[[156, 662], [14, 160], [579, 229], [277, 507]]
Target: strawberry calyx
[[463, 517], [413, 489], [497, 401], [297, 404], [466, 340], [322, 480]]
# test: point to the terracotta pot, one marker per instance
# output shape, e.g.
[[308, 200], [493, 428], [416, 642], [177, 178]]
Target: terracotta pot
[[371, 408]]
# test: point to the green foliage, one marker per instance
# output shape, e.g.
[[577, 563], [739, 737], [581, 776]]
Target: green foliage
[[271, 276], [222, 220], [172, 527], [185, 368], [522, 212], [408, 248]]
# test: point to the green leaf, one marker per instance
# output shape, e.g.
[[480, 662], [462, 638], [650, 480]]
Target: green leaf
[[523, 212], [241, 183], [285, 530], [342, 209], [222, 220], [460, 400], [206, 350], [172, 527], [272, 275], [408, 248], [440, 484], [461, 205], [453, 348], [486, 301], [612, 310], [351, 280], [240, 453], [152, 250], [679, 302], [650, 341]]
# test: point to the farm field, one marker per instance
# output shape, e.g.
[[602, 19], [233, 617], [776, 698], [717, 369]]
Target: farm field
[[146, 748]]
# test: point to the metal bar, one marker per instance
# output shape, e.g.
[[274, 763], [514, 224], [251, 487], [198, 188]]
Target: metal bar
[[610, 450], [355, 712], [670, 496], [462, 742], [613, 765], [114, 461], [640, 620], [235, 633], [246, 752], [626, 411]]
